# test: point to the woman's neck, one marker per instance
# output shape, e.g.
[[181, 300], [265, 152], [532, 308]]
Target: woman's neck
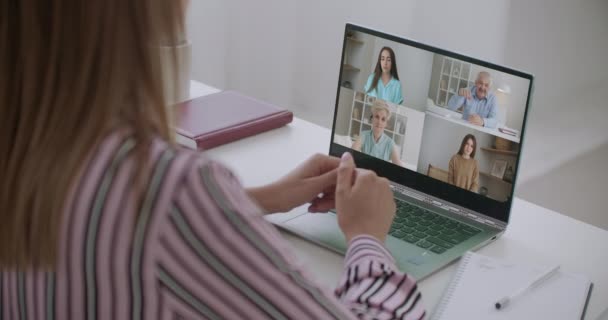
[[377, 135], [386, 77], [466, 156]]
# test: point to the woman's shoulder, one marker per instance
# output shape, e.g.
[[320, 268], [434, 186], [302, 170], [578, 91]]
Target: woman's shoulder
[[188, 161], [154, 173], [167, 161], [178, 174]]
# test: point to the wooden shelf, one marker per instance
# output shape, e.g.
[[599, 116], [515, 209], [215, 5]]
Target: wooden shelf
[[505, 152], [354, 40], [348, 67], [493, 177]]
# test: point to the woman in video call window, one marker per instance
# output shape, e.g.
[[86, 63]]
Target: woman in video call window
[[384, 82], [375, 142], [464, 171]]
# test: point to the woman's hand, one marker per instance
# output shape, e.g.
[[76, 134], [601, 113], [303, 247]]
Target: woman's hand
[[312, 181], [364, 201]]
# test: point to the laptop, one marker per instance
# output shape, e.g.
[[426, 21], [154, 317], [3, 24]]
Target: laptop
[[448, 136]]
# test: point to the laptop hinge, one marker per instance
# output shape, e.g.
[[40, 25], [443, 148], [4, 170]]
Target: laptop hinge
[[448, 206]]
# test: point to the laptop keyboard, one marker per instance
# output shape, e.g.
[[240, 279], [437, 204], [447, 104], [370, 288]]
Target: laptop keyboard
[[427, 229]]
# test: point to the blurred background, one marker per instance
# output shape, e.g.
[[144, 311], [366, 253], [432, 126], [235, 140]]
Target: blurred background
[[288, 52]]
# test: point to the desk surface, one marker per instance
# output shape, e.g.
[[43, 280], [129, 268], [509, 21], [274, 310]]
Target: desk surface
[[460, 121], [534, 234]]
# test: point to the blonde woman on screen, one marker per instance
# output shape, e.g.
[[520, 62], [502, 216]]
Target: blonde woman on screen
[[103, 216], [375, 142]]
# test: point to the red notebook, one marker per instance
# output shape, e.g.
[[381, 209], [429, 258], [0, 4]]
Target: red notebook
[[223, 117]]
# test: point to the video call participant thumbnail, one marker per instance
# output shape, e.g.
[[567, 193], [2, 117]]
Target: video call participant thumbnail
[[464, 170], [384, 82], [479, 104], [375, 142]]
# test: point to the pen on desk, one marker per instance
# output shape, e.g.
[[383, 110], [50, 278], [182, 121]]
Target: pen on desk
[[504, 302]]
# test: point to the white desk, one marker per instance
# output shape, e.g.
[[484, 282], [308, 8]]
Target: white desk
[[534, 234], [460, 121]]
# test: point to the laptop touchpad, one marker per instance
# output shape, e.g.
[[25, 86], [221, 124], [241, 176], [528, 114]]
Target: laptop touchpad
[[319, 227]]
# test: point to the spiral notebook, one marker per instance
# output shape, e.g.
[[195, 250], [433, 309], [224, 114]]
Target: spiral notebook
[[480, 281]]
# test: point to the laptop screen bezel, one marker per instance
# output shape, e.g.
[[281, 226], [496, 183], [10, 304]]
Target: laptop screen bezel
[[418, 181]]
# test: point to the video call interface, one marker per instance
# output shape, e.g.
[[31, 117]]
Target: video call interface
[[449, 119]]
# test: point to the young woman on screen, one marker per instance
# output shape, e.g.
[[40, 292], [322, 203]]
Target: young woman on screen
[[464, 170], [384, 82]]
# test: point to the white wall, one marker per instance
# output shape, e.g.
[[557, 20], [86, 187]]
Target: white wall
[[565, 45], [287, 52], [582, 192], [472, 27], [207, 30], [263, 39]]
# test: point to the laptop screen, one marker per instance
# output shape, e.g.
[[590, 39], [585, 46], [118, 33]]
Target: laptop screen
[[430, 119]]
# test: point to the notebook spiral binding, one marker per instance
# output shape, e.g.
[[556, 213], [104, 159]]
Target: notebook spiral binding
[[447, 295]]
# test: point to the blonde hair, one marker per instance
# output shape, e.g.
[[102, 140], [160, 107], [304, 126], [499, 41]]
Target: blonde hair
[[380, 105], [70, 73]]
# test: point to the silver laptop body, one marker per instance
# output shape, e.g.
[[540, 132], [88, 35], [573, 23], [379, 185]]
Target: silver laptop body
[[436, 221]]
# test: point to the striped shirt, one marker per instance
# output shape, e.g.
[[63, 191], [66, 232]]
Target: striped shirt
[[196, 248]]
